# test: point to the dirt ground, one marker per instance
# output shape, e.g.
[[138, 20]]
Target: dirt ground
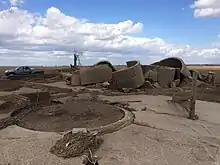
[[74, 114], [159, 132]]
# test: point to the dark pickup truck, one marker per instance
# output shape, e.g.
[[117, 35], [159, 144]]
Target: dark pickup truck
[[23, 70]]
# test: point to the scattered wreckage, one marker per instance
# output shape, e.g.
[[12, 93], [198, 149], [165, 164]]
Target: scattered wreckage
[[167, 73]]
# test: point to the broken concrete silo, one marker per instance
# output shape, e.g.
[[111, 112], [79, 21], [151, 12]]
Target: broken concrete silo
[[164, 76], [106, 63], [95, 74], [175, 62], [131, 77]]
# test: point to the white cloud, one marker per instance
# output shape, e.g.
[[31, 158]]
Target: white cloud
[[51, 38], [206, 8], [16, 2]]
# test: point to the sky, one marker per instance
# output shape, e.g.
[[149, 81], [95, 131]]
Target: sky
[[47, 32]]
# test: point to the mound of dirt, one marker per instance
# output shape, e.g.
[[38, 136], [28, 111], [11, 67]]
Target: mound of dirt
[[73, 114], [73, 145]]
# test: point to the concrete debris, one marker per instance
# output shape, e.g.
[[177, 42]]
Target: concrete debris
[[153, 75], [2, 104], [148, 84], [173, 84], [156, 85], [126, 90], [62, 100], [105, 84], [167, 73], [166, 76], [91, 75], [175, 62], [131, 77], [106, 63], [95, 74], [75, 78], [84, 96]]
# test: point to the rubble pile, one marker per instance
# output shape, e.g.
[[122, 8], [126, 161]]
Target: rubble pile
[[167, 73], [132, 77]]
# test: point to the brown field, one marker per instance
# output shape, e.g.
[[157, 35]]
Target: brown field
[[211, 68], [202, 69]]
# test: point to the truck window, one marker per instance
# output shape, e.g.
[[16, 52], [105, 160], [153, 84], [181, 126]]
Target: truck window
[[27, 68], [20, 68]]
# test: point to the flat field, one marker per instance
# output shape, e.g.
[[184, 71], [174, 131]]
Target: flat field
[[202, 69]]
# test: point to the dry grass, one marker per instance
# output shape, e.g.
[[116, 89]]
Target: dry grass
[[206, 68]]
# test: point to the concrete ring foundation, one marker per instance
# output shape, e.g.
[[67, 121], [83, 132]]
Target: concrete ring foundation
[[92, 115], [131, 77]]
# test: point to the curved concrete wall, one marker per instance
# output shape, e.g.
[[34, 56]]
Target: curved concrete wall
[[131, 77], [106, 63], [175, 62], [75, 78], [95, 74]]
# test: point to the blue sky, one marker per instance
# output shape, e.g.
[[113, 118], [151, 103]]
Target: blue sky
[[170, 20]]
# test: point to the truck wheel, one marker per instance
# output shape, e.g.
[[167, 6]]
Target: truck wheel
[[11, 74]]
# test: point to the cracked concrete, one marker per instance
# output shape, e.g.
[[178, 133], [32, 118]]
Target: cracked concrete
[[143, 145], [160, 135], [20, 146], [190, 142]]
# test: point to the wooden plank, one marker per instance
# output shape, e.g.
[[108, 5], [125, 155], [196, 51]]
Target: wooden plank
[[192, 114]]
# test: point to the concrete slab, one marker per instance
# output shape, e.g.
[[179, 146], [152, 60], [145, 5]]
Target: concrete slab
[[137, 145], [63, 84], [156, 103], [176, 124], [131, 145], [34, 146], [63, 100], [207, 111], [160, 135]]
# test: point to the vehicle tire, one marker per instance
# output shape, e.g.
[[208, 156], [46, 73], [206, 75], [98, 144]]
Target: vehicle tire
[[11, 74]]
